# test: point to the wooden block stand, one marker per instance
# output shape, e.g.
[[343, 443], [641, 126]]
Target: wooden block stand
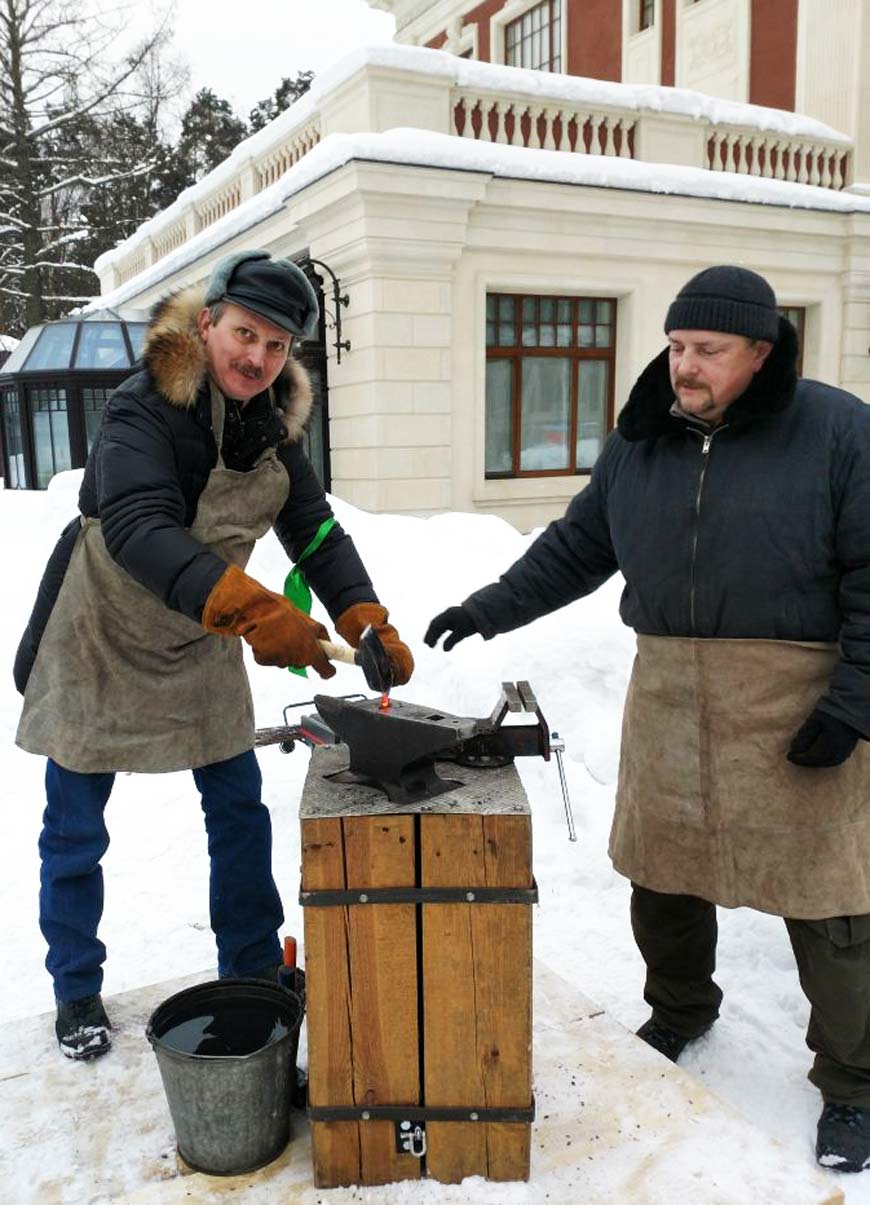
[[418, 1003]]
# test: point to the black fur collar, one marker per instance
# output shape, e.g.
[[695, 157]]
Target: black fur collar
[[647, 413]]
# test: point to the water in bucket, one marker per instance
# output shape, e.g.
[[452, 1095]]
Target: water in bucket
[[226, 1051]]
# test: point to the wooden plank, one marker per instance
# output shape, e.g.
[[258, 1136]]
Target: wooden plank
[[502, 942], [452, 854], [380, 852], [335, 1145]]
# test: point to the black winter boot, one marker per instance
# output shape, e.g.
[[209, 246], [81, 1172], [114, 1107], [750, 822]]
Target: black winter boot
[[666, 1040], [843, 1142], [82, 1028]]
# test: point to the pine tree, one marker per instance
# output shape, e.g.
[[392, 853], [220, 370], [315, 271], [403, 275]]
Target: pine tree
[[288, 91], [209, 132]]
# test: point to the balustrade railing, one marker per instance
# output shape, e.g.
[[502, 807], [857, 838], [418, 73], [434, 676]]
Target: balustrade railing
[[518, 118]]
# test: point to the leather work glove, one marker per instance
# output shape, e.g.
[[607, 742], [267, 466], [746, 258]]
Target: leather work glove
[[457, 621], [822, 740], [279, 633], [351, 624]]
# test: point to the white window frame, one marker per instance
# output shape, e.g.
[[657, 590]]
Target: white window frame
[[512, 11]]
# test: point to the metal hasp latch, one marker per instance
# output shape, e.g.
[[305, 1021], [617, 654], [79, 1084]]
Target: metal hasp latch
[[396, 748], [411, 1138]]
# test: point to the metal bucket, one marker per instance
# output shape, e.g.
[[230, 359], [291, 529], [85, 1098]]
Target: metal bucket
[[227, 1057]]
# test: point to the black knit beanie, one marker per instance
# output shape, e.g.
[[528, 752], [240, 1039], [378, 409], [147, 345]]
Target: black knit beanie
[[728, 299]]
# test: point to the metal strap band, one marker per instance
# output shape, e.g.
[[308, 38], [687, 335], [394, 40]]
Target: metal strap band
[[417, 1113], [420, 895]]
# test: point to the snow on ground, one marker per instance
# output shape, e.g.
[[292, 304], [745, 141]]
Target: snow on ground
[[578, 661]]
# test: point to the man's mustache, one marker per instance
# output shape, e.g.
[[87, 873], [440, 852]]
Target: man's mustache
[[249, 370], [689, 384]]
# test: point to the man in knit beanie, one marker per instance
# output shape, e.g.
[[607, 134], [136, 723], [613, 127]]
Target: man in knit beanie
[[735, 501]]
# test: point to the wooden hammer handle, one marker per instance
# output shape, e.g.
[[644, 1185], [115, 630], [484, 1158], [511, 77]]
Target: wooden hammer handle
[[339, 652]]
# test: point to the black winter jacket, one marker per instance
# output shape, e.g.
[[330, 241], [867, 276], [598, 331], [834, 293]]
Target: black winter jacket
[[758, 529], [150, 463]]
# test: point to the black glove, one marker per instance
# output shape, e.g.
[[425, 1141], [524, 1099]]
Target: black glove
[[455, 620], [822, 740]]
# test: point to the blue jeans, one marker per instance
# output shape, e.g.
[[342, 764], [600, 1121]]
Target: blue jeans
[[244, 905]]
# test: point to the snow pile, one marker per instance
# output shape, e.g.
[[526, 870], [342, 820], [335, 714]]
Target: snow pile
[[578, 661], [485, 77]]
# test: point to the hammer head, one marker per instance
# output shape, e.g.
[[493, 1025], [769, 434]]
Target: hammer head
[[371, 656]]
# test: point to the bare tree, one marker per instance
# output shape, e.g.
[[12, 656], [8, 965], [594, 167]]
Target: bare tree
[[61, 87]]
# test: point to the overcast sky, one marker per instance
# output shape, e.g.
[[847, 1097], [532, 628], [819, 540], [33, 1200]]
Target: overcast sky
[[243, 48]]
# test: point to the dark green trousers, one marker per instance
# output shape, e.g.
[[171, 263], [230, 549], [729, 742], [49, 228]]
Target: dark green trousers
[[676, 935]]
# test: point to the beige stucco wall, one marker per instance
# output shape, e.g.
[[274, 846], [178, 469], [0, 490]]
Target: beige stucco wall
[[417, 251], [641, 48], [833, 65]]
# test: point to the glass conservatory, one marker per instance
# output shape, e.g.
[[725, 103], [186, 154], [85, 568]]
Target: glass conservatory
[[53, 388]]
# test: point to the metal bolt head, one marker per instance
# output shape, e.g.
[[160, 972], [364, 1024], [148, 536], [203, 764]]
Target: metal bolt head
[[363, 899], [469, 895], [473, 1116], [366, 1115]]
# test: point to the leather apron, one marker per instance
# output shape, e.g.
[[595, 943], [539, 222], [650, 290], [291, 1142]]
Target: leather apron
[[121, 681], [707, 802]]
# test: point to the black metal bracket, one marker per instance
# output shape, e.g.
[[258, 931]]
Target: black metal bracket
[[420, 895], [419, 1113], [333, 318]]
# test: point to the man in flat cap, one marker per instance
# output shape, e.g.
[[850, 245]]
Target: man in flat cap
[[735, 501], [132, 658]]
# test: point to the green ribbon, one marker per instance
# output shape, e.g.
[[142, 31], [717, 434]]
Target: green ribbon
[[295, 586]]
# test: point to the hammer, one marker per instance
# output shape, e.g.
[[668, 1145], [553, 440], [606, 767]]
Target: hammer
[[371, 657]]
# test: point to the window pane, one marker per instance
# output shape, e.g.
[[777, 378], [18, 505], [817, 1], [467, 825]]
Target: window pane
[[499, 412], [93, 403], [506, 309], [13, 440], [490, 308], [546, 410], [548, 336], [529, 309], [50, 434], [603, 311], [506, 336], [592, 417], [53, 347], [490, 334], [547, 309], [101, 345], [603, 336], [564, 335], [587, 311], [563, 310], [586, 336], [530, 335], [136, 335]]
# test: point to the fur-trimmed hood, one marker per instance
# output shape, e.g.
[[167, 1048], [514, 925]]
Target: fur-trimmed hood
[[174, 355]]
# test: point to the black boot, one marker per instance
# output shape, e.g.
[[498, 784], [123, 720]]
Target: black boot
[[666, 1040], [82, 1028], [843, 1142]]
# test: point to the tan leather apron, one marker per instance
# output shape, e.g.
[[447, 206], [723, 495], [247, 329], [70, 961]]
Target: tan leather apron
[[121, 682], [708, 804]]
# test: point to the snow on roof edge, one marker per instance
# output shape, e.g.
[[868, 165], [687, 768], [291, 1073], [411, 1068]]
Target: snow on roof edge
[[471, 73], [421, 148]]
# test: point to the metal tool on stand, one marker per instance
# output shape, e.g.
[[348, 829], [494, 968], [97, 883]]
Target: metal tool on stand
[[396, 749], [370, 655]]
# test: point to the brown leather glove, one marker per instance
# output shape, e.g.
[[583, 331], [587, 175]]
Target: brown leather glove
[[278, 632], [351, 624]]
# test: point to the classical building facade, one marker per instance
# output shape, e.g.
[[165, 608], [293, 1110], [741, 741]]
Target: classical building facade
[[506, 241], [809, 56]]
